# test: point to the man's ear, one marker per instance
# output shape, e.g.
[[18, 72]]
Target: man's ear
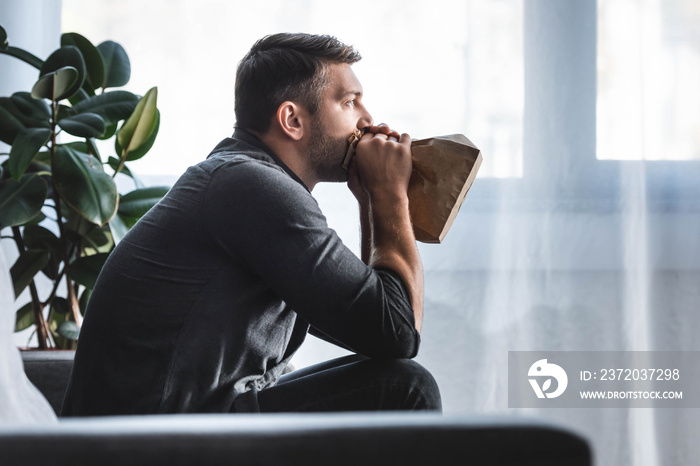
[[292, 119]]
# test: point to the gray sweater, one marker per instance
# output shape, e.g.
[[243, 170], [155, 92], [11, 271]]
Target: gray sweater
[[215, 288]]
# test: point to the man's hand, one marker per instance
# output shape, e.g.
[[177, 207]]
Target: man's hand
[[354, 183], [384, 129], [383, 159], [382, 169]]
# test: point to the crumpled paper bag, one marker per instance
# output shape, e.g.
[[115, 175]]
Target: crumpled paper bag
[[444, 168]]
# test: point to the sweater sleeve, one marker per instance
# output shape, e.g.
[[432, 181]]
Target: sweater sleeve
[[257, 215]]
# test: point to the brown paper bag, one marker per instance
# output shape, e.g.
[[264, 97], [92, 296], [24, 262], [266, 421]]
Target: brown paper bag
[[444, 169]]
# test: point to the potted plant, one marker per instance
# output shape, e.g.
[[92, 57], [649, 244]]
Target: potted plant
[[59, 202]]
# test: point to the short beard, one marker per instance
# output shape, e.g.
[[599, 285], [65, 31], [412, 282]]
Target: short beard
[[327, 153]]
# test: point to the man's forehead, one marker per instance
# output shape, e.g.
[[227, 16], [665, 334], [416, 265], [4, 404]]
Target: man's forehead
[[343, 81]]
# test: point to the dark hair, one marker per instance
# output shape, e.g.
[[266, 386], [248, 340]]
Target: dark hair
[[283, 67]]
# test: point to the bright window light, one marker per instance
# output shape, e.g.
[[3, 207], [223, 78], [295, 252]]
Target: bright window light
[[648, 104], [428, 68]]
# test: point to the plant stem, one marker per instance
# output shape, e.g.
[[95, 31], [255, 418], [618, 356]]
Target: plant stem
[[29, 340], [122, 161], [61, 228], [39, 321], [56, 282], [73, 300]]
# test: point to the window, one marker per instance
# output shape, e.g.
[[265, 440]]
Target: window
[[554, 93], [450, 66], [648, 75]]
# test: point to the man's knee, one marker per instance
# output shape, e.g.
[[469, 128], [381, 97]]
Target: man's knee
[[423, 392]]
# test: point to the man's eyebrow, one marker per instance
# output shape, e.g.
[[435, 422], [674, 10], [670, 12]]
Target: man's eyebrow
[[351, 93]]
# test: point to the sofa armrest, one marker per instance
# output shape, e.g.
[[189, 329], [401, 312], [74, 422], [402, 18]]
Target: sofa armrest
[[368, 439]]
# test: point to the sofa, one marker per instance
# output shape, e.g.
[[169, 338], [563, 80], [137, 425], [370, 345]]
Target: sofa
[[280, 439]]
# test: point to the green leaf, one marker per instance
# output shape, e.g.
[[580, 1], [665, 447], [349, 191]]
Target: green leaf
[[63, 111], [111, 106], [79, 96], [60, 305], [69, 329], [36, 237], [15, 116], [94, 63], [137, 134], [28, 264], [68, 56], [92, 148], [22, 55], [19, 112], [10, 124], [117, 64], [42, 161], [27, 143], [114, 163], [56, 85], [139, 201], [110, 131], [36, 111], [98, 237], [84, 125], [76, 227], [37, 219], [3, 38], [84, 270], [79, 146], [21, 201], [97, 240], [24, 317], [84, 299], [137, 154], [84, 186], [119, 225]]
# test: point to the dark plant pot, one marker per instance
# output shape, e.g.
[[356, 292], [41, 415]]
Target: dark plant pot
[[49, 370]]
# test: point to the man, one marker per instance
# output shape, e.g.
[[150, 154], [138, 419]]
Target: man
[[202, 305]]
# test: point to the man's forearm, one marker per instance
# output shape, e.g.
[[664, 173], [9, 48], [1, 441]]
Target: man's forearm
[[393, 246], [384, 168]]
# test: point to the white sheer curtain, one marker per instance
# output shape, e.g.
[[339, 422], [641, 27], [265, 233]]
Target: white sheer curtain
[[579, 253], [20, 401]]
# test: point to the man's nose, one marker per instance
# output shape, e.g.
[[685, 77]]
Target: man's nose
[[365, 120]]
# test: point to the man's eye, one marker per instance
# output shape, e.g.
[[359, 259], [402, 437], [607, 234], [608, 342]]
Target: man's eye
[[350, 103]]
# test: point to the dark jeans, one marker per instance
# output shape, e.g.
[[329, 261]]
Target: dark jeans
[[350, 383]]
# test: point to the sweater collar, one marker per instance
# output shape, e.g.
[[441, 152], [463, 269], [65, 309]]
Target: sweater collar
[[241, 135]]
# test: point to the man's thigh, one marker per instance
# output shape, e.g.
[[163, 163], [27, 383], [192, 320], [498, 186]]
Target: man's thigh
[[353, 383]]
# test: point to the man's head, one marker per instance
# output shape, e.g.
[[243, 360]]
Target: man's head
[[298, 93], [285, 67]]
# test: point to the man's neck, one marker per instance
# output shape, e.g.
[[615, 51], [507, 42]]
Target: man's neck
[[289, 152]]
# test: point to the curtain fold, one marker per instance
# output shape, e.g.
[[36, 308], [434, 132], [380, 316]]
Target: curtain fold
[[581, 253]]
